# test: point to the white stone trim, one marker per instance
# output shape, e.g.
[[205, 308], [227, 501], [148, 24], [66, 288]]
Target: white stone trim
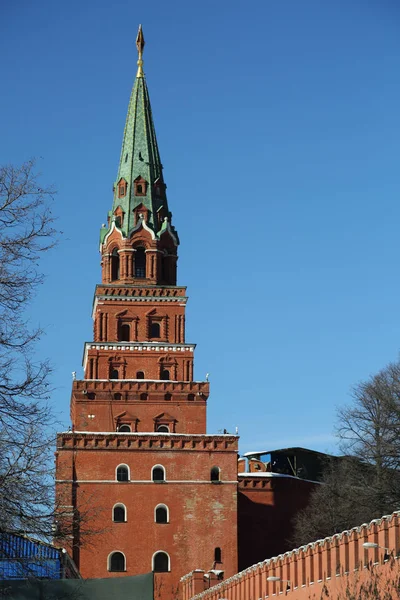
[[120, 505], [113, 226], [129, 472], [109, 561], [161, 506], [142, 223], [157, 552], [132, 346], [146, 481]]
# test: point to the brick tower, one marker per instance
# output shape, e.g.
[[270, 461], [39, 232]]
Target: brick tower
[[145, 487]]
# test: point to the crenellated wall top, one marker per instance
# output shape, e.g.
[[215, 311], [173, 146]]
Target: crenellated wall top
[[363, 531]]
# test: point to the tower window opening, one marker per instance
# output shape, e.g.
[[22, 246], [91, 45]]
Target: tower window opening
[[114, 374], [117, 562], [165, 375], [143, 396], [161, 514], [155, 330], [124, 428], [124, 332], [139, 188], [114, 265], [122, 186], [122, 473], [217, 555], [191, 397], [163, 428], [117, 396], [161, 562], [91, 396], [215, 474], [140, 375], [158, 473], [119, 513], [140, 263], [168, 396], [126, 157]]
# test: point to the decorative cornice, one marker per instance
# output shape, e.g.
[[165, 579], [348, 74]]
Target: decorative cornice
[[146, 441], [135, 346]]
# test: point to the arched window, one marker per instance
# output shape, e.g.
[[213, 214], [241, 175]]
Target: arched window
[[114, 374], [140, 263], [168, 396], [161, 562], [217, 555], [161, 514], [140, 375], [124, 428], [214, 474], [122, 473], [163, 428], [91, 396], [117, 396], [119, 513], [124, 332], [143, 396], [139, 189], [114, 265], [191, 397], [165, 374], [158, 473], [155, 330], [117, 562]]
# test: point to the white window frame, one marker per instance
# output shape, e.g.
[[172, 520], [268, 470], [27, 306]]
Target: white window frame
[[155, 512]]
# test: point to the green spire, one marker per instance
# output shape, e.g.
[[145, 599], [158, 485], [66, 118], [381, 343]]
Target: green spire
[[140, 168]]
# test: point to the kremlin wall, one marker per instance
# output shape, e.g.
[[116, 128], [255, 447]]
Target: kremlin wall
[[338, 567]]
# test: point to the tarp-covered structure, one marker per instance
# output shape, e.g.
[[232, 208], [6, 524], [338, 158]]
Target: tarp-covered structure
[[139, 587]]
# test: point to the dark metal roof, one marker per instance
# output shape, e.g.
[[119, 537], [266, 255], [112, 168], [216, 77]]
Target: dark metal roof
[[293, 450]]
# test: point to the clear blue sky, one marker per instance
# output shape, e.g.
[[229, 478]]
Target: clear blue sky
[[279, 128]]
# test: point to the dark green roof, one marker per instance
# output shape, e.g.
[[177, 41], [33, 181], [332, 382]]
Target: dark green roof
[[140, 158], [139, 587]]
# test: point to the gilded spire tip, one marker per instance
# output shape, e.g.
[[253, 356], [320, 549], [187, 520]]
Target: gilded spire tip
[[140, 46]]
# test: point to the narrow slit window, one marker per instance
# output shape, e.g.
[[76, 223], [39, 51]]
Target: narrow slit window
[[119, 514], [215, 474], [114, 265], [140, 263], [114, 374], [161, 514]]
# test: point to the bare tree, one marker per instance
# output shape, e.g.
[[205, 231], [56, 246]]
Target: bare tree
[[365, 483], [26, 232]]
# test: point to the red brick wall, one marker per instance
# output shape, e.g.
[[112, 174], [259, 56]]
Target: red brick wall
[[102, 412], [202, 514], [267, 504]]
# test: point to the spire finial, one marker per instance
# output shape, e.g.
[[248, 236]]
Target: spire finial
[[140, 46]]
